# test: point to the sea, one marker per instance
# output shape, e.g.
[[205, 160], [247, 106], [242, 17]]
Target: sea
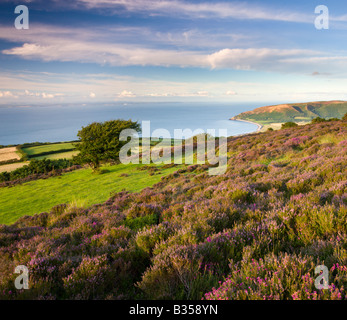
[[55, 123]]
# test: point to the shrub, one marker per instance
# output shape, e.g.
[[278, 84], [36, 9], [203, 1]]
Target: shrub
[[318, 120], [289, 125], [140, 222], [275, 278], [89, 280], [147, 238], [36, 168], [172, 274]]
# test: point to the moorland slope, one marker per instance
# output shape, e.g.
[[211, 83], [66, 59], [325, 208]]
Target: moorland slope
[[256, 232]]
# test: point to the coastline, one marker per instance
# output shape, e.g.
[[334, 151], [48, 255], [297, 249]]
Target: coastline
[[257, 124]]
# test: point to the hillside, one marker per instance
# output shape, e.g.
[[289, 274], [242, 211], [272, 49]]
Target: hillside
[[256, 232], [300, 112], [74, 187]]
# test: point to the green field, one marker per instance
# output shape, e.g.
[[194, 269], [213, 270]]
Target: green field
[[55, 148], [54, 151], [80, 186], [55, 156]]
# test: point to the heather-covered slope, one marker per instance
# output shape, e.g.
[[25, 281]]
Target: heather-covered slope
[[300, 112], [260, 229]]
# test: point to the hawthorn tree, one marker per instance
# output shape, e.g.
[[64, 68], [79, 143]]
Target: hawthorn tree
[[99, 141], [289, 125]]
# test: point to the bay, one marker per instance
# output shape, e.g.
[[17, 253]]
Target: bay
[[54, 123]]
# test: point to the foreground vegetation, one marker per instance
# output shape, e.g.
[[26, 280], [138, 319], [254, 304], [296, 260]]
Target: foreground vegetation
[[256, 232], [80, 187], [32, 170]]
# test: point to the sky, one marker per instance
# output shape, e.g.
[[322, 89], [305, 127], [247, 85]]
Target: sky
[[87, 51]]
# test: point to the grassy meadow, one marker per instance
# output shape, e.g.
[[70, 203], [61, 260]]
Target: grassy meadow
[[48, 148], [52, 151], [63, 150], [60, 155], [80, 186]]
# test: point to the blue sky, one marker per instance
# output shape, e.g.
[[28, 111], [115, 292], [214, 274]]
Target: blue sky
[[88, 51]]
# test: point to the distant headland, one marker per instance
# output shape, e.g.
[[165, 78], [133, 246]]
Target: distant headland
[[301, 113]]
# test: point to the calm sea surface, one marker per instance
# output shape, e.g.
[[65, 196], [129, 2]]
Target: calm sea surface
[[61, 123]]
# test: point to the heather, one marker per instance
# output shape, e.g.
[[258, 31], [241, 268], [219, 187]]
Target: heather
[[256, 232]]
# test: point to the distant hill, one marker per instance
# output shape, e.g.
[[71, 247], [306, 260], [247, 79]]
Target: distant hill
[[298, 112]]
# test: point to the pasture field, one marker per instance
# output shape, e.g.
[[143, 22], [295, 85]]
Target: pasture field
[[55, 156], [48, 148], [12, 166], [54, 151], [10, 153], [77, 186]]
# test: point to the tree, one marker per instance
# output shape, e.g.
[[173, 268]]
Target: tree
[[100, 141], [289, 125], [318, 120]]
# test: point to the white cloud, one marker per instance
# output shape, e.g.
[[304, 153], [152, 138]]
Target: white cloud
[[6, 94], [179, 94], [159, 94], [113, 54], [47, 95], [71, 88], [43, 95], [32, 94], [126, 94], [127, 55], [230, 93], [184, 9], [92, 95], [42, 42], [202, 10], [202, 93], [253, 58], [195, 38]]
